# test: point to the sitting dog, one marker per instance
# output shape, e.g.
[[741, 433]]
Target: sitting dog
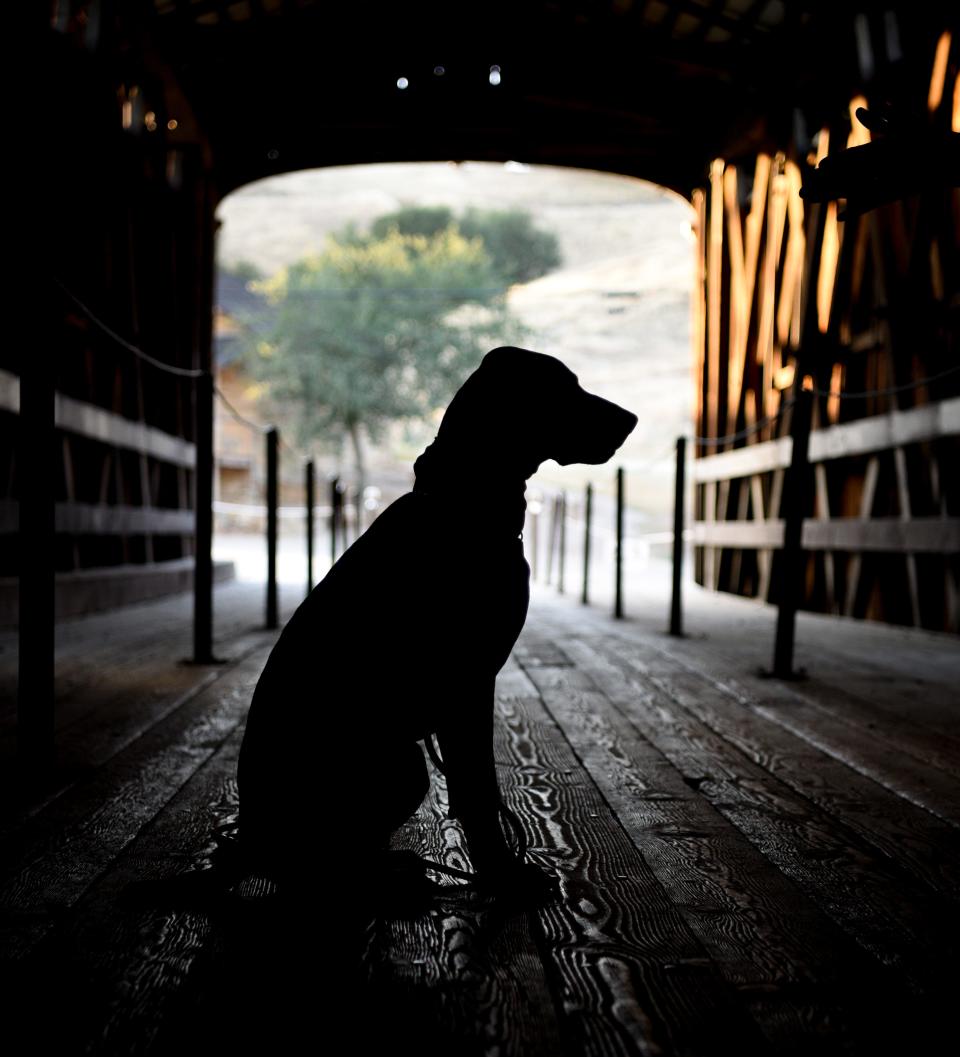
[[405, 635]]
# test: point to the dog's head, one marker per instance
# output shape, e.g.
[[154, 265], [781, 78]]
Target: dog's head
[[521, 408]]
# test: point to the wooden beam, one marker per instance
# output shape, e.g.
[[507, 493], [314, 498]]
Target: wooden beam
[[714, 292], [89, 519], [742, 462], [863, 437], [880, 432], [903, 496], [96, 423], [855, 564], [933, 535]]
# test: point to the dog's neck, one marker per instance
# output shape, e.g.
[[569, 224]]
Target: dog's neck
[[489, 493]]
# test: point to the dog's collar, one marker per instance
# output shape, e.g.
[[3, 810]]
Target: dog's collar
[[444, 497]]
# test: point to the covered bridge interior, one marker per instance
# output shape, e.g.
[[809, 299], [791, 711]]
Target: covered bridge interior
[[748, 865]]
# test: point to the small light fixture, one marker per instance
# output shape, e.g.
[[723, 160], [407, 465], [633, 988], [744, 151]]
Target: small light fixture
[[494, 77], [439, 71], [172, 125], [402, 83], [150, 120]]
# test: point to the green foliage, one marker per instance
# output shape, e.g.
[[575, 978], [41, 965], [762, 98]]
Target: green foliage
[[413, 220], [518, 250], [377, 329], [243, 270]]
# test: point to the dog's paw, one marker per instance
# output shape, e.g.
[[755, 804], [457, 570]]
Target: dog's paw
[[518, 882]]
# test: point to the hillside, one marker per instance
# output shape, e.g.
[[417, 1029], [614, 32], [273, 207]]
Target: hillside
[[617, 311]]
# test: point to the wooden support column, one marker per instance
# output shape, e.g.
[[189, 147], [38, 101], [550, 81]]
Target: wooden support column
[[792, 579], [334, 517], [587, 517], [203, 556], [562, 543], [37, 460], [273, 460], [310, 485], [203, 427], [618, 587], [676, 612]]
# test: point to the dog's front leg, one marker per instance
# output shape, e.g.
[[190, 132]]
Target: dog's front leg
[[466, 744]]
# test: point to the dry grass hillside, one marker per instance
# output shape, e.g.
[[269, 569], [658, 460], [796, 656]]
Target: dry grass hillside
[[617, 311]]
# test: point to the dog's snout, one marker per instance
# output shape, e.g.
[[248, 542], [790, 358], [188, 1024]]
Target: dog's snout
[[600, 426]]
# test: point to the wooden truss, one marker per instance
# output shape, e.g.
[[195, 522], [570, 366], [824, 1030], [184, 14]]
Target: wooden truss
[[863, 309]]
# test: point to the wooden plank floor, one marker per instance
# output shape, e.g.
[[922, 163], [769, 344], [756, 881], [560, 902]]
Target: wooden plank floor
[[747, 866]]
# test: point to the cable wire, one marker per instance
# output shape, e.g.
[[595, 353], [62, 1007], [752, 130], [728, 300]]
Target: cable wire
[[743, 433], [889, 390], [242, 419], [181, 372]]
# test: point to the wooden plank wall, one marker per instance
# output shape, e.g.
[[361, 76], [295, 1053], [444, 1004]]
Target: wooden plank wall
[[126, 203], [864, 303]]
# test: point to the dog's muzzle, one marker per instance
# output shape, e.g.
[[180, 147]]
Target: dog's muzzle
[[596, 430]]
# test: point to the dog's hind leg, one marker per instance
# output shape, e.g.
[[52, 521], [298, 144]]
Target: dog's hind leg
[[395, 785]]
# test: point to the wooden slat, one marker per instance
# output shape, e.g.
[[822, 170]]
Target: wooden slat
[[880, 432], [742, 462], [96, 423], [766, 939], [714, 290], [855, 565], [72, 844], [89, 519], [747, 710], [858, 887], [747, 534], [932, 535], [866, 435], [499, 991], [631, 976]]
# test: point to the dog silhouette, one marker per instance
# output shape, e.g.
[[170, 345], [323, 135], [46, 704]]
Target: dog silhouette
[[405, 635]]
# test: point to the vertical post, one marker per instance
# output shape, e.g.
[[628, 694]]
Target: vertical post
[[552, 536], [310, 490], [587, 517], [206, 227], [535, 542], [794, 507], [563, 541], [203, 557], [37, 457], [618, 594], [676, 611], [359, 504], [334, 517], [273, 444]]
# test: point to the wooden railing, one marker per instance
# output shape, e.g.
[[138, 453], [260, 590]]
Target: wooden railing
[[867, 436], [96, 423]]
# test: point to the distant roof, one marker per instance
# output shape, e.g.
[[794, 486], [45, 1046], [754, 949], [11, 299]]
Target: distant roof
[[235, 298]]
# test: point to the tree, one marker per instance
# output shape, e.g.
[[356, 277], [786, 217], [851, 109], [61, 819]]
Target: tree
[[377, 329], [518, 250]]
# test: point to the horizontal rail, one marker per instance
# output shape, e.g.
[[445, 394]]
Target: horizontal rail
[[96, 423], [89, 519], [933, 535], [260, 510], [862, 437]]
